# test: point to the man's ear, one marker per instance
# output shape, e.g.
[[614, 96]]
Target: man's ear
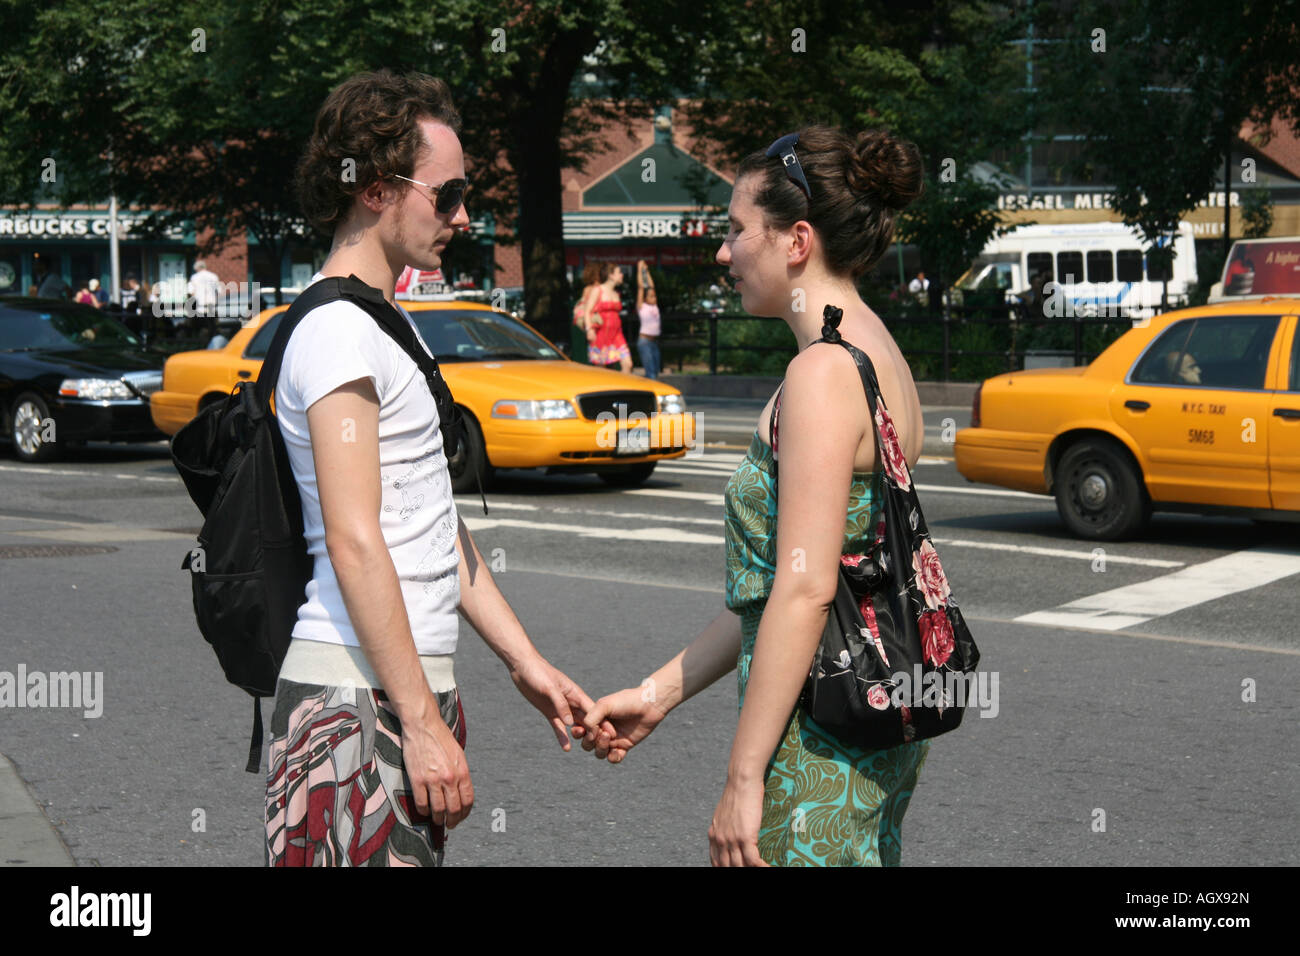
[[372, 197]]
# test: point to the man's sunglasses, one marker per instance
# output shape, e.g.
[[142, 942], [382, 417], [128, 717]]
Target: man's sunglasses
[[450, 194], [784, 147]]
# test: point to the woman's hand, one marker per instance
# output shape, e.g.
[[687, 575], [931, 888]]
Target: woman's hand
[[733, 834], [633, 714]]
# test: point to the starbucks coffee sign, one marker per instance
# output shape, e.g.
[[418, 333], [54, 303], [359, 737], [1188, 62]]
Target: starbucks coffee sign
[[63, 225]]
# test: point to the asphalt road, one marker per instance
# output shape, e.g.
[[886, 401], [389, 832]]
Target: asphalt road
[[1130, 713]]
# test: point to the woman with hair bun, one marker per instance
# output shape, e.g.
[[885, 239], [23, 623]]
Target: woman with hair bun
[[808, 216]]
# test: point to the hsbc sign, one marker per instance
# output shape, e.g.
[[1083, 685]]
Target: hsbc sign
[[663, 227]]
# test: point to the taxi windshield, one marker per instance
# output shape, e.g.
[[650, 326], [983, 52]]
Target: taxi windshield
[[478, 335]]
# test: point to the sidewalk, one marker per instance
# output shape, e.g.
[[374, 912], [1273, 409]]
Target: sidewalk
[[27, 838], [759, 386], [728, 423]]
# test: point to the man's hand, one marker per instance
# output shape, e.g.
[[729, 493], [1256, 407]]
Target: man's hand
[[618, 722], [554, 695], [440, 783]]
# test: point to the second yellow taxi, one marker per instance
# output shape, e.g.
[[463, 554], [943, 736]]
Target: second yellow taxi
[[1195, 410]]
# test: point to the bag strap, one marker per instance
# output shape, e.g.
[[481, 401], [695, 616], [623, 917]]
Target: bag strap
[[831, 317]]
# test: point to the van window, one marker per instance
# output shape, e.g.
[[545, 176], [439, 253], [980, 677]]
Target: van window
[[1159, 273], [1101, 266], [1069, 266], [1128, 265], [1040, 262]]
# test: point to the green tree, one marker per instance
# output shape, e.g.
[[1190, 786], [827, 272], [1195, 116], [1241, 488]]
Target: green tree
[[944, 76], [209, 125], [1158, 91]]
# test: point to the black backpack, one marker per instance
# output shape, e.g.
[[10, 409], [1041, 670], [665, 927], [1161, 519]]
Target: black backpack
[[251, 567]]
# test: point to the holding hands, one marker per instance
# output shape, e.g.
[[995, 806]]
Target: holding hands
[[627, 717]]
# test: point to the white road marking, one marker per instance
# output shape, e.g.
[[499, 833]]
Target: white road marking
[[1136, 603], [705, 472], [704, 496], [992, 492], [663, 535], [606, 514], [103, 534], [980, 618], [74, 473], [1057, 552]]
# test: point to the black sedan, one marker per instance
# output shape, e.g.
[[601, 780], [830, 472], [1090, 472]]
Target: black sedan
[[70, 373]]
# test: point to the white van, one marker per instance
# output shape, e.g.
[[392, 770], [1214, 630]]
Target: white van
[[1257, 268], [1100, 266]]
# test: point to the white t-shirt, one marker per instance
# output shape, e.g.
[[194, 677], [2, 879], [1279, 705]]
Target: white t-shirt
[[337, 343]]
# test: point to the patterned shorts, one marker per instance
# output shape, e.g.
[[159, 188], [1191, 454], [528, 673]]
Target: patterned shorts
[[337, 792]]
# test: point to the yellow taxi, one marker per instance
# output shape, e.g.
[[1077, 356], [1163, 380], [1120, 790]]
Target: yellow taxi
[[1195, 410], [526, 404]]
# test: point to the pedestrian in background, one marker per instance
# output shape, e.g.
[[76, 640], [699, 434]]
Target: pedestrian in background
[[647, 310], [99, 292], [204, 288], [605, 343], [85, 296], [578, 336]]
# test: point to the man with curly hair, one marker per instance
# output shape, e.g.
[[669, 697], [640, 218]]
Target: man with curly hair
[[367, 763]]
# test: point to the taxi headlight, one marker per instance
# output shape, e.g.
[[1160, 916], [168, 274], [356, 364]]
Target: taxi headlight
[[531, 410], [672, 404]]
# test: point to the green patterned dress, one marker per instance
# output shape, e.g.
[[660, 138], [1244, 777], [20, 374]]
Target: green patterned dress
[[825, 803]]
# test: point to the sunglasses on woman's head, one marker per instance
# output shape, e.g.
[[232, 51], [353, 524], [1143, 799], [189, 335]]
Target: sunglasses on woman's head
[[449, 195], [784, 147]]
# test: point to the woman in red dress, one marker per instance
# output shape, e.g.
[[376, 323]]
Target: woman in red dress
[[606, 345]]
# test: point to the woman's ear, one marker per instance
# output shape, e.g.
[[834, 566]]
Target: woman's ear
[[801, 242]]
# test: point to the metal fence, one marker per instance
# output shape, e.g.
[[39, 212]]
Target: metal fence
[[965, 344]]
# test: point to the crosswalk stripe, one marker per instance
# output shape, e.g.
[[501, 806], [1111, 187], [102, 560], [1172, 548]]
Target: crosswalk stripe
[[467, 505], [1133, 604], [661, 535], [992, 492], [704, 496], [706, 472], [1057, 552]]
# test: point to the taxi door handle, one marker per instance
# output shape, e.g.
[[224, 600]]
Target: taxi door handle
[[1287, 412], [244, 373], [1141, 406]]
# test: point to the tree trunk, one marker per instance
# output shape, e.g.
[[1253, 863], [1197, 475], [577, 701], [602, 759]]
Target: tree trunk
[[538, 128]]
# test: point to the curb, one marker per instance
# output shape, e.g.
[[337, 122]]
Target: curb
[[762, 387], [27, 838]]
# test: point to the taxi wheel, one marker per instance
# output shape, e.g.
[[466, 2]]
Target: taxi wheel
[[469, 460], [25, 417], [629, 477], [1099, 494]]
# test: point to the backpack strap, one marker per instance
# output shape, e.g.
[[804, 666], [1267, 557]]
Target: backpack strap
[[255, 742], [371, 300], [316, 294]]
